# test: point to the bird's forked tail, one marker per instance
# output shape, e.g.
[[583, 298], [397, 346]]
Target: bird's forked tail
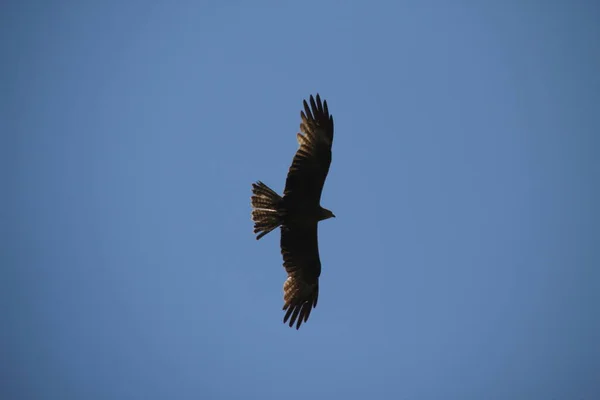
[[266, 209]]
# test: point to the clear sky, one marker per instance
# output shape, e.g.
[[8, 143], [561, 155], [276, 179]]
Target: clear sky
[[463, 262]]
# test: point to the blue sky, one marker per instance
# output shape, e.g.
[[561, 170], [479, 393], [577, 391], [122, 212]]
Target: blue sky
[[463, 262]]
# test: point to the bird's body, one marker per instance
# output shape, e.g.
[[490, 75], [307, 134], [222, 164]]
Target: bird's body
[[304, 215], [299, 211]]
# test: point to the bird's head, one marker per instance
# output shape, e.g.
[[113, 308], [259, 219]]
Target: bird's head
[[325, 214]]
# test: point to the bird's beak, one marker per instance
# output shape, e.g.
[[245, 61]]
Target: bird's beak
[[333, 215]]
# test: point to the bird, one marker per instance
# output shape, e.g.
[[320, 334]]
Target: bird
[[299, 211]]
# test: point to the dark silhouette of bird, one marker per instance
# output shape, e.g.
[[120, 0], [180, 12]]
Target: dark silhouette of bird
[[299, 211]]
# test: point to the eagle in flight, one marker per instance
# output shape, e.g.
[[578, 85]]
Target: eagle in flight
[[299, 211]]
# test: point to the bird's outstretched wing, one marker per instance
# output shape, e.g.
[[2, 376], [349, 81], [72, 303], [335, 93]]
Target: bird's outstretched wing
[[310, 165], [300, 250]]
